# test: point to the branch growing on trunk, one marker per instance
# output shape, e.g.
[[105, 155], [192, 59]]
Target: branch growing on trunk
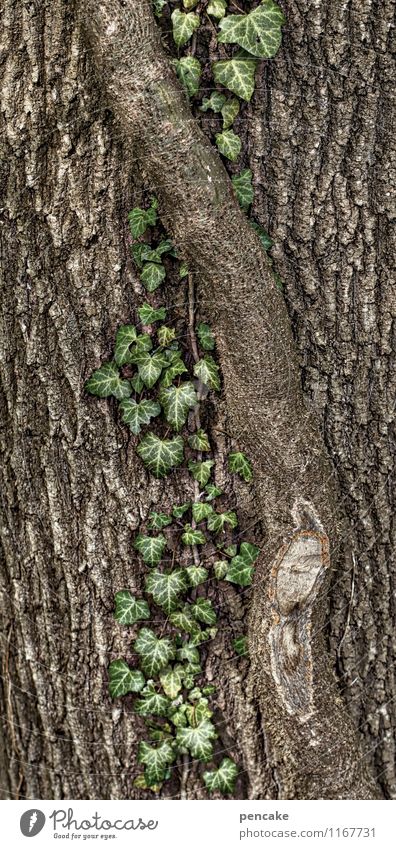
[[309, 737]]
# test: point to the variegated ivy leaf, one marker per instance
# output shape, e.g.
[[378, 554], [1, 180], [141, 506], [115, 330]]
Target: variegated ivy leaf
[[259, 32], [207, 371], [198, 740], [152, 275], [106, 381], [124, 680], [243, 188], [148, 314], [196, 575], [215, 102], [240, 645], [150, 548], [205, 336], [240, 569], [136, 414], [239, 463], [200, 711], [223, 778], [184, 25], [190, 4], [229, 112], [218, 521], [129, 609], [140, 219], [188, 652], [199, 441], [155, 653], [201, 511], [165, 335], [212, 491], [126, 336], [217, 8], [192, 537], [142, 345], [263, 236], [175, 367], [150, 367], [237, 75], [229, 144], [189, 70], [183, 270], [166, 587], [231, 550], [152, 704], [249, 552], [157, 521], [156, 760], [220, 568], [158, 7], [184, 620], [177, 401], [150, 254], [137, 384], [203, 611], [180, 509], [201, 471], [172, 680]]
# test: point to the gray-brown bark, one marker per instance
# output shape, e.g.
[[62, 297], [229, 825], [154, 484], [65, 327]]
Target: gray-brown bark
[[70, 471]]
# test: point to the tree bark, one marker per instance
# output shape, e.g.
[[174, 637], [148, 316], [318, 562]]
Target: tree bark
[[70, 470]]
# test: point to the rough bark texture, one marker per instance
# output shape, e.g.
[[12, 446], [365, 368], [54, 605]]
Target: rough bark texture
[[73, 490]]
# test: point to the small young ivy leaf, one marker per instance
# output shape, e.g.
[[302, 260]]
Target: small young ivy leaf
[[263, 236], [240, 570], [215, 102], [212, 491], [240, 645], [239, 463], [205, 336], [189, 70], [165, 335], [156, 760], [237, 75], [218, 521], [200, 711], [201, 511], [158, 7], [129, 609], [198, 740], [123, 680], [184, 620], [193, 537], [190, 4], [175, 367], [137, 414], [207, 371], [172, 680], [196, 575], [217, 8], [166, 587], [201, 471], [152, 704], [106, 381], [149, 314], [155, 653], [150, 548], [149, 254], [180, 509], [231, 550], [140, 219], [249, 552], [177, 401], [243, 188], [126, 336], [199, 441], [157, 521], [137, 384], [259, 32], [143, 344], [229, 144], [183, 270], [152, 275], [223, 778], [150, 367], [203, 611], [184, 25], [188, 652], [220, 568], [229, 112]]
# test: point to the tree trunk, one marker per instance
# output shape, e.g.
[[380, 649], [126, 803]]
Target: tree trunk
[[73, 488]]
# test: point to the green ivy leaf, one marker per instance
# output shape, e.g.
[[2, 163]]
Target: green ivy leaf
[[166, 588], [240, 570], [201, 471], [243, 188], [172, 680], [207, 371], [240, 645], [229, 144], [263, 236], [148, 314], [199, 441], [155, 653], [223, 778], [212, 491], [156, 760], [196, 575], [123, 680], [190, 4], [142, 345], [140, 219], [203, 611], [229, 112], [175, 367], [259, 32], [249, 552], [220, 568], [201, 511], [150, 367], [188, 652], [218, 521], [159, 521], [239, 463], [215, 102], [189, 70], [152, 704], [217, 8], [129, 609], [200, 711], [177, 401], [137, 384], [152, 275], [205, 336], [158, 7], [184, 620], [165, 335], [231, 550], [106, 381], [126, 336], [184, 25], [150, 254], [237, 75], [180, 509], [183, 270], [193, 537], [137, 414], [198, 740], [150, 548]]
